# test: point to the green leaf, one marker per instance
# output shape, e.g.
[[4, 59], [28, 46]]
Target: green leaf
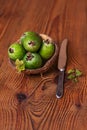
[[75, 80], [71, 76], [20, 66], [78, 73], [74, 74], [71, 71]]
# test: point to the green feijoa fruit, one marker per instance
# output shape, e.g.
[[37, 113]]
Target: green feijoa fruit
[[16, 51], [32, 60], [31, 41], [47, 49], [25, 34]]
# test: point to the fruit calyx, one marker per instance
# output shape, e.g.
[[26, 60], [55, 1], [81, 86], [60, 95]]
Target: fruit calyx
[[11, 50], [29, 56], [47, 41], [31, 43], [24, 34]]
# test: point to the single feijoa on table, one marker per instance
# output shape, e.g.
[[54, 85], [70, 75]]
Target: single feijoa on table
[[32, 60], [47, 49], [16, 51], [31, 41]]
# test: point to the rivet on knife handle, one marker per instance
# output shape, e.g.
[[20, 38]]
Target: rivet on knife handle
[[61, 66]]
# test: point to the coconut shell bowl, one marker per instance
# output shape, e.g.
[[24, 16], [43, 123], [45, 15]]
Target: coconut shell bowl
[[47, 65]]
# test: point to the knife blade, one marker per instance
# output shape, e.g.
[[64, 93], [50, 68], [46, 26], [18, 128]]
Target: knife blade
[[62, 59]]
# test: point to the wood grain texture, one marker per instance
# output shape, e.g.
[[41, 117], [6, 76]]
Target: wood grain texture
[[40, 110]]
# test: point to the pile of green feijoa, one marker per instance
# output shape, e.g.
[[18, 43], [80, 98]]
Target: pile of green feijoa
[[32, 51]]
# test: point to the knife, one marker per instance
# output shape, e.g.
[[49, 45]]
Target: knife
[[61, 66]]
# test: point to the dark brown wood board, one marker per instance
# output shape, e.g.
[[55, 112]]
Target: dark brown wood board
[[29, 102]]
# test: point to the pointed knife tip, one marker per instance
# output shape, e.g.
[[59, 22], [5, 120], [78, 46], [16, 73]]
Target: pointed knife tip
[[66, 39]]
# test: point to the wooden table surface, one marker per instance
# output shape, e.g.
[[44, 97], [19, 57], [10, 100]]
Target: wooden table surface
[[29, 102]]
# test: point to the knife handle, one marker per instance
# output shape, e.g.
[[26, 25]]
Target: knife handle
[[60, 87]]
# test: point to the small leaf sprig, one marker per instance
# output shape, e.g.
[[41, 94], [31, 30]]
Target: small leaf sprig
[[73, 74], [20, 66]]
